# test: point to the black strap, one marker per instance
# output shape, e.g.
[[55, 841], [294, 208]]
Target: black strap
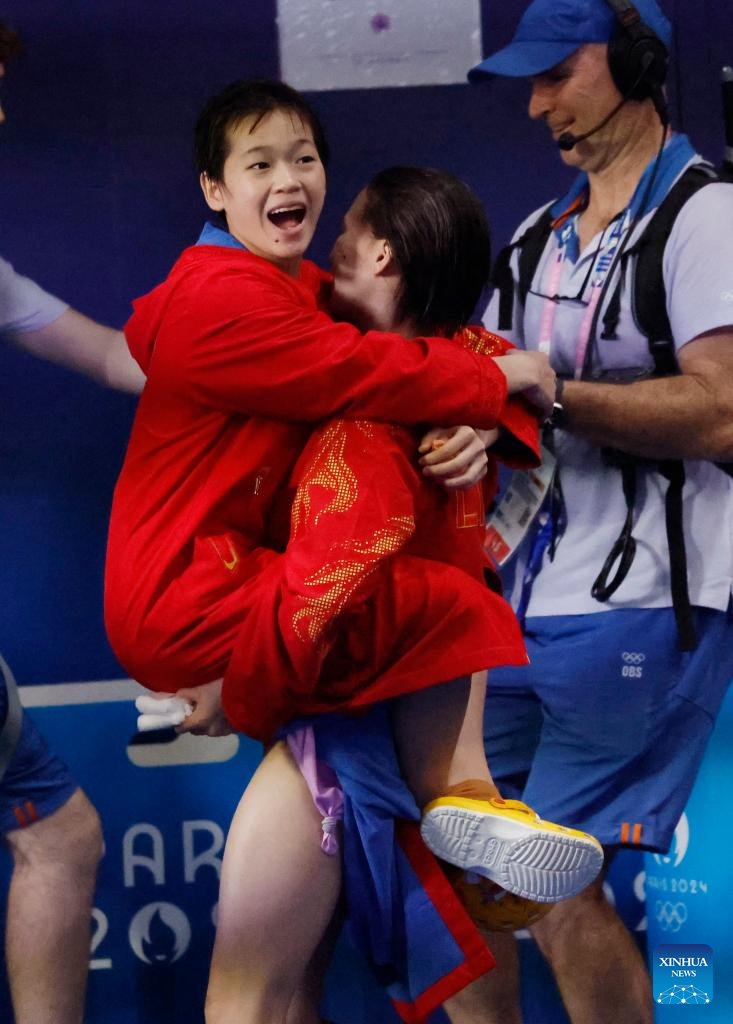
[[613, 310], [531, 244], [650, 298], [674, 472], [503, 280], [623, 551], [649, 306], [649, 301], [10, 731]]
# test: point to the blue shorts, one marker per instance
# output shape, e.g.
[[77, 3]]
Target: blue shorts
[[35, 783], [606, 728]]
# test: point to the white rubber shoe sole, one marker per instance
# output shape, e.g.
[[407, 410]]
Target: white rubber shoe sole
[[512, 846]]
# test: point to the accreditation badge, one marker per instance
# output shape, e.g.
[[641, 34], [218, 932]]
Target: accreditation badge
[[510, 521]]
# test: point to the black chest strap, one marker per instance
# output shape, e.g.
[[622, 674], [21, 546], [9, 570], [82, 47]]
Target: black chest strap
[[530, 245], [646, 257]]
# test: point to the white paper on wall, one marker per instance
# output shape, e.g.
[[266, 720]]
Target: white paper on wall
[[363, 44]]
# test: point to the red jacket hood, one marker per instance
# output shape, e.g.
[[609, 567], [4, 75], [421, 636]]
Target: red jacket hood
[[141, 330]]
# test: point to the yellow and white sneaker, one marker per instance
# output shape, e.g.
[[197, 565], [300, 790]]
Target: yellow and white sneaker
[[507, 842]]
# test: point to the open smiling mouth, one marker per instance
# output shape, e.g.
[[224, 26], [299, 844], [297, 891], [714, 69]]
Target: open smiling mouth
[[287, 217]]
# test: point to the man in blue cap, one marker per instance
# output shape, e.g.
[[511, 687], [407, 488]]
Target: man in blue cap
[[624, 581]]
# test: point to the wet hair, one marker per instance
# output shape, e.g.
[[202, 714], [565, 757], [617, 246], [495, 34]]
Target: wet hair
[[439, 236], [255, 97], [10, 44]]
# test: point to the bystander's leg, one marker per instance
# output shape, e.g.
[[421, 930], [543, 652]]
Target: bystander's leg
[[49, 912], [589, 948]]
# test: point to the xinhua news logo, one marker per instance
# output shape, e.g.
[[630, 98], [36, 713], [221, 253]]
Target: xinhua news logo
[[682, 975]]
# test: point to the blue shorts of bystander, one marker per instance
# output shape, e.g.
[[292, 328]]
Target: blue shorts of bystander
[[35, 783], [606, 728]]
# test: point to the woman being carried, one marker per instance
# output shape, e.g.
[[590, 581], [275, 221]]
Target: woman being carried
[[413, 257]]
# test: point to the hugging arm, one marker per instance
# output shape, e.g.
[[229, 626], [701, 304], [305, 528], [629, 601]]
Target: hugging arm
[[262, 352]]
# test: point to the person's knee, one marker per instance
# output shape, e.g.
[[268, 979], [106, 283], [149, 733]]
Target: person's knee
[[68, 842], [87, 846], [571, 919]]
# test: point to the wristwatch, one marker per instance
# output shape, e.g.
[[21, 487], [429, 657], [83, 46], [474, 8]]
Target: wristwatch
[[557, 416]]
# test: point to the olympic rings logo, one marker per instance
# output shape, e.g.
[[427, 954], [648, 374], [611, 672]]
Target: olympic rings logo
[[633, 657], [671, 916]]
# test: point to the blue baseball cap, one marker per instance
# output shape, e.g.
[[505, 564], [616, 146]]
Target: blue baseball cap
[[550, 30]]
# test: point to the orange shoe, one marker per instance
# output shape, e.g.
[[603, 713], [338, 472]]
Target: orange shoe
[[508, 843], [490, 907]]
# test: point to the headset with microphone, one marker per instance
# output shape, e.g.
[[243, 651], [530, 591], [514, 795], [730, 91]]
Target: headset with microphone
[[637, 60]]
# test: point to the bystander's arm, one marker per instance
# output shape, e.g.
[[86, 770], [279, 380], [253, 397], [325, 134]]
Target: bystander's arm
[[81, 344], [689, 416]]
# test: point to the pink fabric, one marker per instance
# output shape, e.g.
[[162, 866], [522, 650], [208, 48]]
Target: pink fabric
[[323, 785]]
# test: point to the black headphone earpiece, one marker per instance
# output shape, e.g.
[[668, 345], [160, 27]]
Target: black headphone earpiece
[[637, 57], [637, 60]]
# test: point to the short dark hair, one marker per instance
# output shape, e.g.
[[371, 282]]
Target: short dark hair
[[439, 235], [254, 97], [10, 44]]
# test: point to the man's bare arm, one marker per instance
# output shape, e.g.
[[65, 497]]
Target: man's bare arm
[[689, 416], [81, 344]]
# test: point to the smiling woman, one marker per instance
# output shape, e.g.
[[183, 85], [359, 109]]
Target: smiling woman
[[271, 188]]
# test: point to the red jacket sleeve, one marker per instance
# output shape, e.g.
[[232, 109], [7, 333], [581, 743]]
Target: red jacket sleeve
[[519, 445], [247, 341]]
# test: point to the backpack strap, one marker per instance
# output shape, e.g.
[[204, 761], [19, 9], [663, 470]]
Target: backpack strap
[[531, 244], [650, 298], [674, 472], [649, 308], [649, 305]]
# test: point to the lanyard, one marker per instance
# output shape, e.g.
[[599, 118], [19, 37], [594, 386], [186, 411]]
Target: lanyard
[[552, 518], [550, 526], [603, 263], [550, 306]]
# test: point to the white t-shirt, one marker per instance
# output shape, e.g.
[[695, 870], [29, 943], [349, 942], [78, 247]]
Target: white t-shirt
[[698, 276], [24, 305]]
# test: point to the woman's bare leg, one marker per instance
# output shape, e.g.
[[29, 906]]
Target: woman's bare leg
[[278, 894], [306, 1000], [439, 737], [439, 734]]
